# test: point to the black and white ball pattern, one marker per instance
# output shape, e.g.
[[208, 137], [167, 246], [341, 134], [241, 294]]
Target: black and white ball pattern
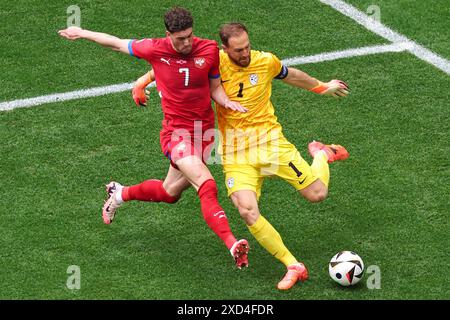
[[346, 268]]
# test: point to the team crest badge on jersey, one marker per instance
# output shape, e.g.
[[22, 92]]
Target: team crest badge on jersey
[[253, 79], [200, 62], [230, 183]]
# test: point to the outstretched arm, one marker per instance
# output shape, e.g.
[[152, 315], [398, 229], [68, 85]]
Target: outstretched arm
[[106, 40], [300, 79]]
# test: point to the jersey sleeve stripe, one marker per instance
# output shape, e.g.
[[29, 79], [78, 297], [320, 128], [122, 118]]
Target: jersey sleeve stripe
[[214, 76], [130, 48]]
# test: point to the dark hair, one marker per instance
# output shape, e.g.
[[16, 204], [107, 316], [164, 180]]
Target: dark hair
[[230, 30], [178, 19]]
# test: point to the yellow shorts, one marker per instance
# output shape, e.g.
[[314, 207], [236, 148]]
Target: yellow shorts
[[283, 160]]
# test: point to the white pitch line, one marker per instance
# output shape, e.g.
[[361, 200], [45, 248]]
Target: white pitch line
[[72, 95], [99, 91], [363, 51], [58, 97], [389, 34]]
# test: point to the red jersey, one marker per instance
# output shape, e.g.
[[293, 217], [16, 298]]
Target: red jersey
[[182, 80]]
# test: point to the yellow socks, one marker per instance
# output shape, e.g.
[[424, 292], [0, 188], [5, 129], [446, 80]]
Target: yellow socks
[[320, 168], [271, 240]]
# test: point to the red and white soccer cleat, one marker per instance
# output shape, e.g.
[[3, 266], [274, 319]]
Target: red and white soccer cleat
[[296, 272], [111, 204], [334, 152], [239, 251], [112, 187]]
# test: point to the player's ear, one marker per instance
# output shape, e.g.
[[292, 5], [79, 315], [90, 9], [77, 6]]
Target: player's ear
[[167, 33], [224, 47]]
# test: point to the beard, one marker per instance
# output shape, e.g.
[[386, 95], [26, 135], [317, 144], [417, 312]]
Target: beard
[[242, 62]]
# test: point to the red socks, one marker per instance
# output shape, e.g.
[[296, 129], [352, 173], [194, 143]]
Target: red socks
[[149, 190], [213, 213], [153, 191]]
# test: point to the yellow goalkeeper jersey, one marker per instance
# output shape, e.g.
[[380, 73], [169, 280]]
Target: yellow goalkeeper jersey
[[251, 86]]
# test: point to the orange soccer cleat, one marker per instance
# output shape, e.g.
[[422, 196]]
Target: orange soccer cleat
[[296, 272], [334, 152], [239, 251]]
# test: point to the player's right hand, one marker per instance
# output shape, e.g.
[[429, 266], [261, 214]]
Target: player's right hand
[[236, 106], [140, 96], [71, 33]]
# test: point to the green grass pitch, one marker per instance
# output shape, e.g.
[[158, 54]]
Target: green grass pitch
[[388, 201]]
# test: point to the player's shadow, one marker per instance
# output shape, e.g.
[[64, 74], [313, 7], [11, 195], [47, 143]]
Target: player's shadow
[[360, 286]]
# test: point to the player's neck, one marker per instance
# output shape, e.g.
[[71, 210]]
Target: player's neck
[[175, 49]]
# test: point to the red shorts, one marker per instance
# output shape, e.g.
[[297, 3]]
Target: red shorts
[[177, 145]]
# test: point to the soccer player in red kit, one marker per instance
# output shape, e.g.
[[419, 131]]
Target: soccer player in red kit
[[187, 75]]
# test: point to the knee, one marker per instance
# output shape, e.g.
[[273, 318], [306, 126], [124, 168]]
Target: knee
[[248, 212], [316, 195], [319, 196]]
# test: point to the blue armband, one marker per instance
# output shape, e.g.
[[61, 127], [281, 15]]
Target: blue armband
[[283, 73]]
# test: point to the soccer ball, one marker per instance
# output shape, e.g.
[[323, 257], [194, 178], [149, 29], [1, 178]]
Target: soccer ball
[[346, 268]]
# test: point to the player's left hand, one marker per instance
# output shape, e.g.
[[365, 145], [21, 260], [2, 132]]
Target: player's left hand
[[140, 96], [236, 106], [334, 88]]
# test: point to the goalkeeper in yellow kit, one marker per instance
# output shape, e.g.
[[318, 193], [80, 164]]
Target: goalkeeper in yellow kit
[[253, 145]]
